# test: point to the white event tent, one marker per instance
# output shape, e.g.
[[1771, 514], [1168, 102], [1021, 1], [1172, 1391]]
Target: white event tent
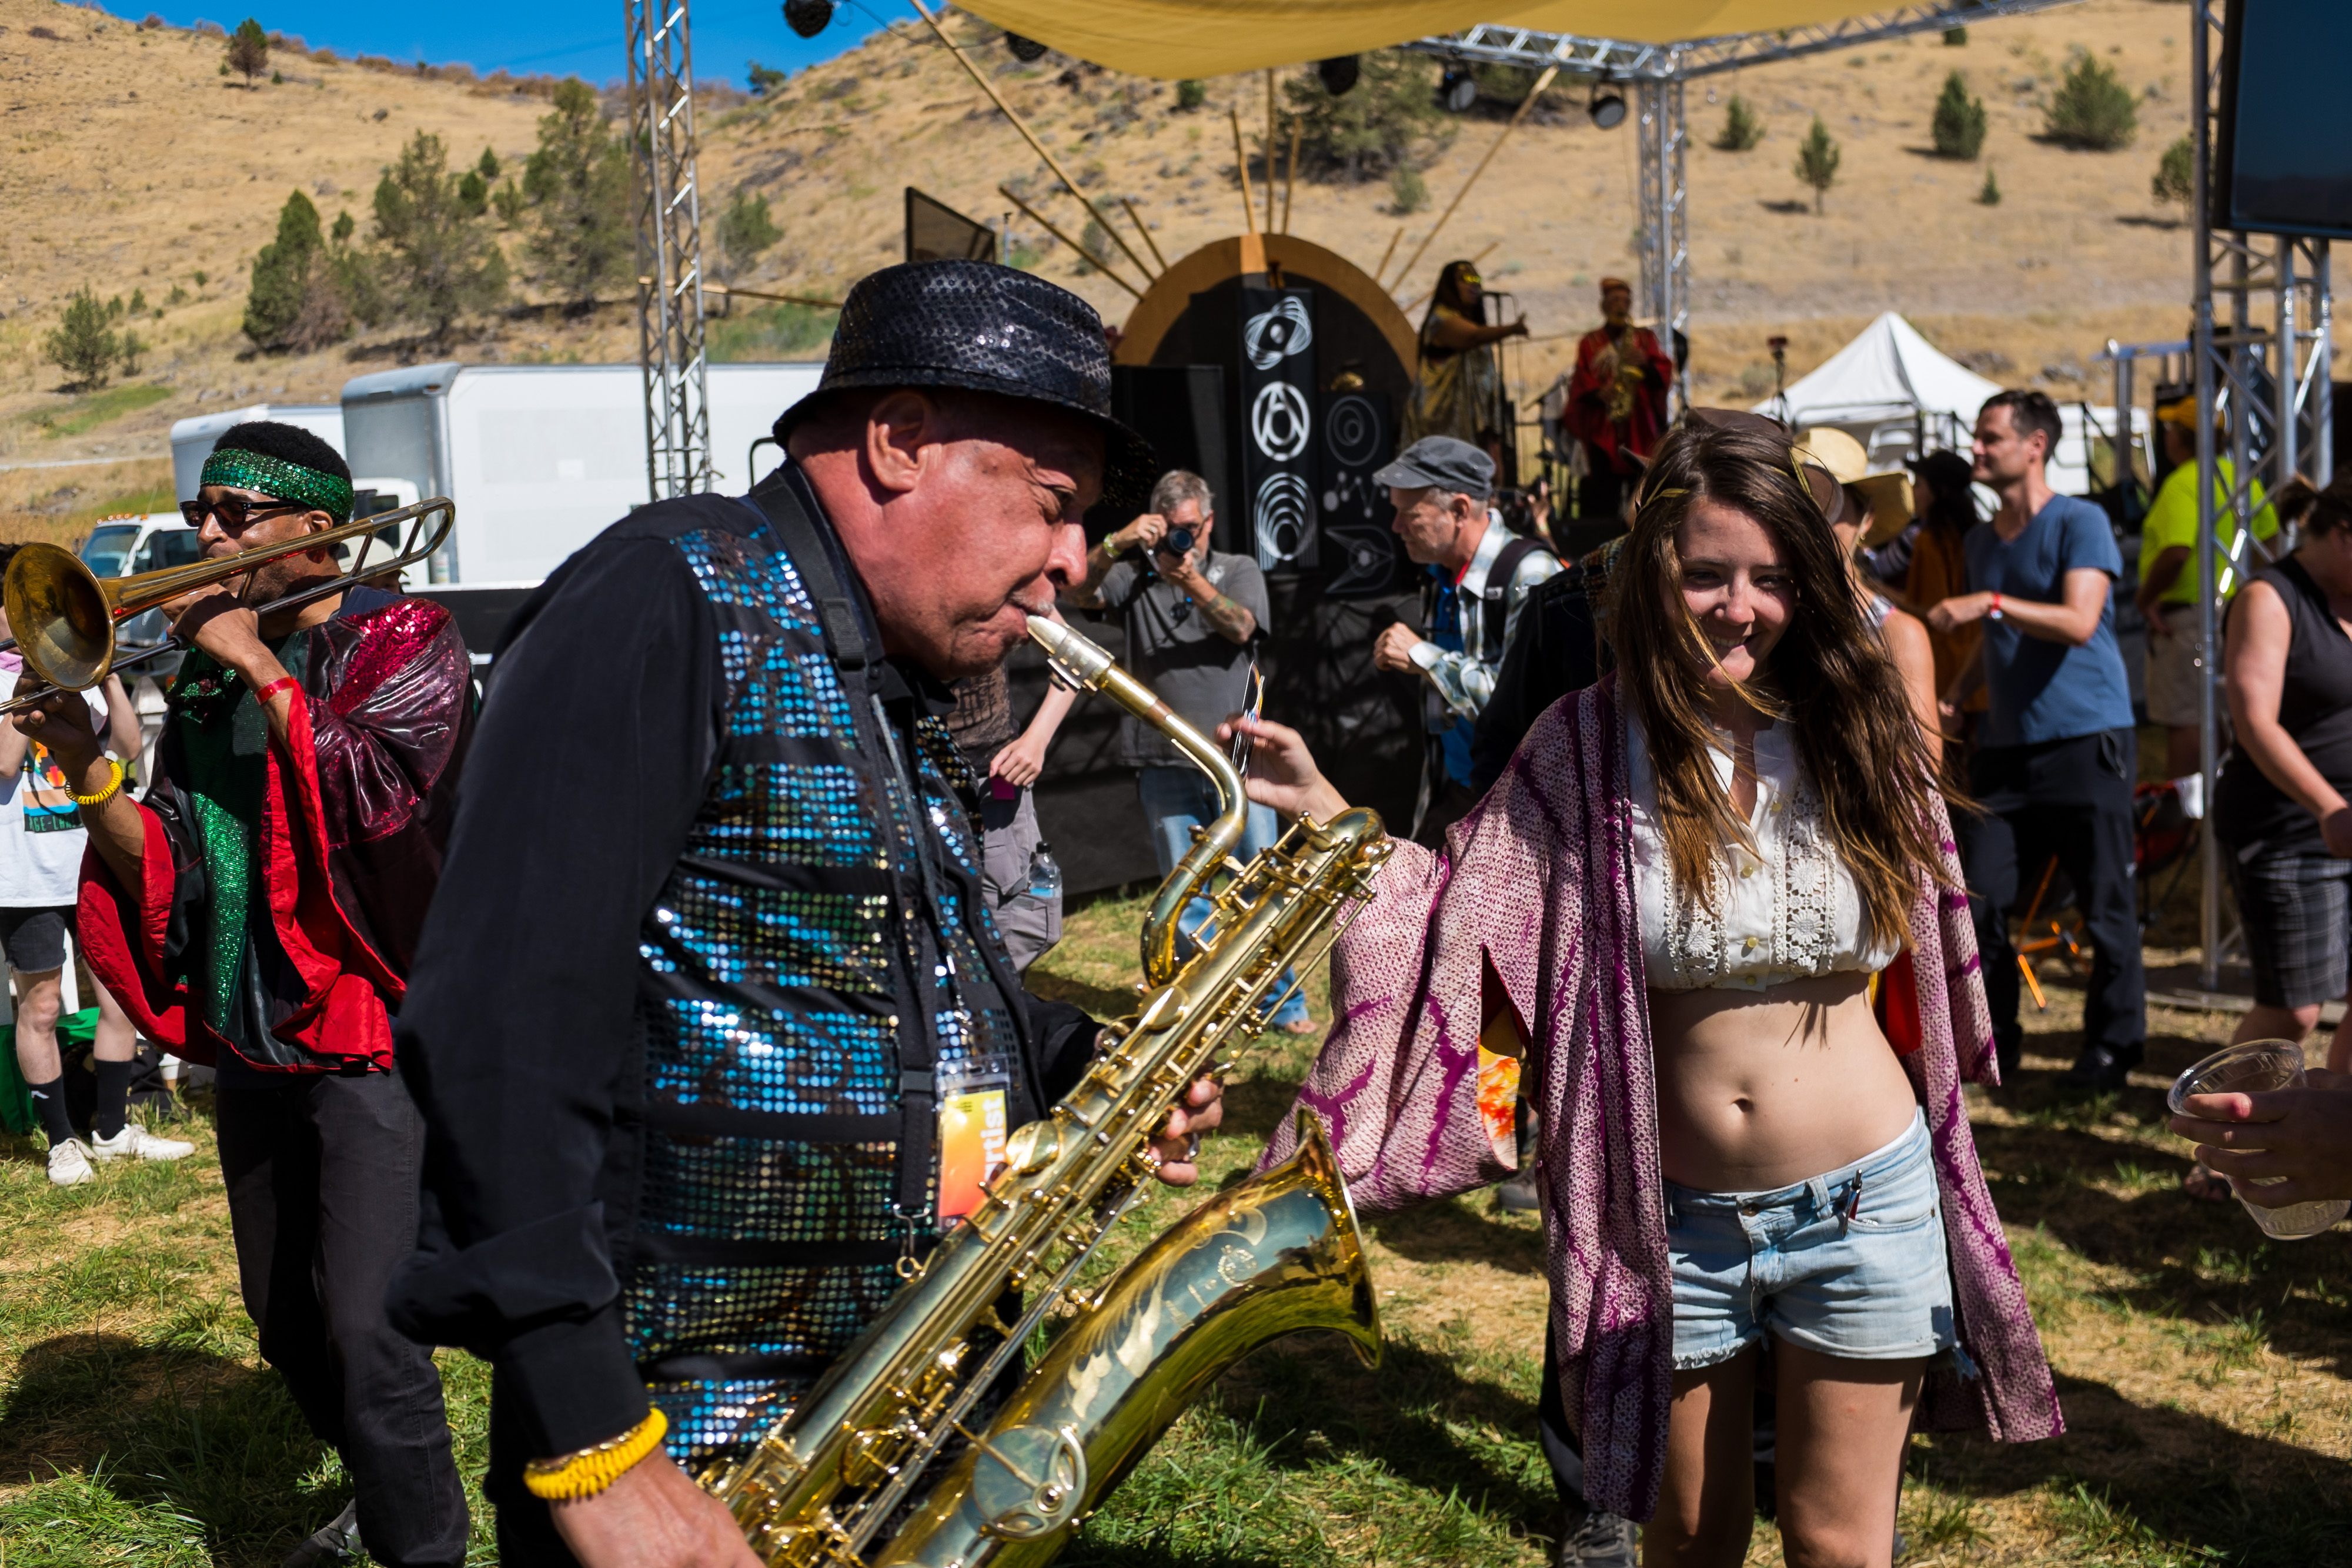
[[1898, 394]]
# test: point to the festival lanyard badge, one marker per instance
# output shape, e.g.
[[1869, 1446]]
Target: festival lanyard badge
[[974, 1095]]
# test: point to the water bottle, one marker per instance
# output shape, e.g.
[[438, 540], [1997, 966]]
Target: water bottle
[[1044, 875]]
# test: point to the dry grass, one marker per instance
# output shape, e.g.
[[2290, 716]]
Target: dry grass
[[127, 161]]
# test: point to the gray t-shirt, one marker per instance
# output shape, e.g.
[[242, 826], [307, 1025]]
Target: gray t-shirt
[[1172, 649]]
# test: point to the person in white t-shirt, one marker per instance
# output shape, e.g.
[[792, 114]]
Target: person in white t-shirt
[[41, 843]]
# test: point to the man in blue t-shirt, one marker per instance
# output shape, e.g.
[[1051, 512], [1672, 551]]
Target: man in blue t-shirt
[[2057, 752]]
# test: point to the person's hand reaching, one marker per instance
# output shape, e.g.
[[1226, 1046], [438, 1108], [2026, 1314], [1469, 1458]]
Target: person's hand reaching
[[1283, 773], [1020, 763], [2299, 1139]]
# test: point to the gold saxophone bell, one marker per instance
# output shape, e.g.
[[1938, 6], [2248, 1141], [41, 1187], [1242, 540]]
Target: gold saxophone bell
[[64, 615]]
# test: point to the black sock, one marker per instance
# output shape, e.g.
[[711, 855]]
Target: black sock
[[50, 1100], [113, 1096]]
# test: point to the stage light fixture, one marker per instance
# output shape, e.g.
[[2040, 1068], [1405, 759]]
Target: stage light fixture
[[807, 18], [1457, 89], [1338, 73], [1025, 49], [1607, 107]]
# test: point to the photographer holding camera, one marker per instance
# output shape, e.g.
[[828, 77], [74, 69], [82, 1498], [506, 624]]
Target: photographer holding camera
[[1194, 617]]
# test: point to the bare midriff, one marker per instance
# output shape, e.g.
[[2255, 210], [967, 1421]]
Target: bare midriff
[[1759, 1090]]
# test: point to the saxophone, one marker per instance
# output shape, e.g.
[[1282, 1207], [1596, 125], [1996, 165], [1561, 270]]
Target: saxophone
[[866, 1469]]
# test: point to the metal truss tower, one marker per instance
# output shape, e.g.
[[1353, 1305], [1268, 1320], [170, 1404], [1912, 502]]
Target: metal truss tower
[[2265, 400], [669, 248], [1665, 228]]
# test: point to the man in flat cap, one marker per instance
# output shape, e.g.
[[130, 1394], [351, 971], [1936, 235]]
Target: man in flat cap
[[1480, 574], [1617, 401], [711, 948]]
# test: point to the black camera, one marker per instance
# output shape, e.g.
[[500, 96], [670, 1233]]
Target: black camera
[[1176, 541]]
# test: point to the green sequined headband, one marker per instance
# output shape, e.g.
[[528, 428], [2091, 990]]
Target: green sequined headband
[[275, 476]]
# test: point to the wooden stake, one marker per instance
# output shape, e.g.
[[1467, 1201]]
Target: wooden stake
[[1518, 114], [778, 298], [1143, 230], [1241, 163], [1388, 253], [1029, 136], [1268, 150], [1047, 224], [1290, 176]]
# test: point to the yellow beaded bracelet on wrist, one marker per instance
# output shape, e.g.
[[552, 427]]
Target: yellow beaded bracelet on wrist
[[591, 1470], [113, 786]]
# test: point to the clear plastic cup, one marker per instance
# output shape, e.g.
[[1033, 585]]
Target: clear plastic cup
[[2250, 1068]]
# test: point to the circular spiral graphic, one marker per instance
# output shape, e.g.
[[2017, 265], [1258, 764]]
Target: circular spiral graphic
[[1278, 421], [1352, 431], [1284, 511], [1270, 336]]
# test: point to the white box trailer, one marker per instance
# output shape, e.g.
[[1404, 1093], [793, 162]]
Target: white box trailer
[[541, 458], [192, 439]]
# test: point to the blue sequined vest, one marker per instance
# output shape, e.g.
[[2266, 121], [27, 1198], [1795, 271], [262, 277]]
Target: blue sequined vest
[[820, 943]]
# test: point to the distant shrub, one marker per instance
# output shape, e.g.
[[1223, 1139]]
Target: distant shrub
[[210, 29], [473, 193], [2175, 183], [1990, 195], [1817, 161], [39, 32], [249, 51], [1192, 93], [2092, 108], [433, 264], [326, 58], [765, 79], [745, 229], [1408, 192], [1958, 125], [84, 344], [1956, 37], [770, 332], [1741, 127], [150, 23], [578, 181]]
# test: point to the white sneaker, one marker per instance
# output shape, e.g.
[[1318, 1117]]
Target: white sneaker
[[70, 1164], [135, 1141]]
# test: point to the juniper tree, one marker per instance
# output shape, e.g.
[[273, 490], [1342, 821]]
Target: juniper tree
[[745, 229], [1817, 161], [1741, 128], [249, 51], [2092, 108], [83, 345], [433, 261], [578, 184], [281, 274], [2175, 183], [1958, 123]]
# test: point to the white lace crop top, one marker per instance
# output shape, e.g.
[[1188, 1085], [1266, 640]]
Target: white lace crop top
[[1788, 911]]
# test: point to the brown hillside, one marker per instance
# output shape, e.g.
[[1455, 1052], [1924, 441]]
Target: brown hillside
[[131, 163]]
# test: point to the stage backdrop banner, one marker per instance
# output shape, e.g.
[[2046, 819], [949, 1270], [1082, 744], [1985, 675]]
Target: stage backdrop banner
[[1362, 556], [1276, 425], [1173, 39]]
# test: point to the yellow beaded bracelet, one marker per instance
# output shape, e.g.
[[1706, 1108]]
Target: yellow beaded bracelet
[[113, 786], [591, 1470]]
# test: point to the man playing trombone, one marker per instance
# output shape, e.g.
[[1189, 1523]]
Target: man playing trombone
[[257, 912]]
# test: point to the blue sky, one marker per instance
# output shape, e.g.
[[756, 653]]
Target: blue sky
[[561, 37]]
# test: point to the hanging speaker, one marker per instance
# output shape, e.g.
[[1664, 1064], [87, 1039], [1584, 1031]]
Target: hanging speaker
[[1025, 49], [807, 18], [1338, 74]]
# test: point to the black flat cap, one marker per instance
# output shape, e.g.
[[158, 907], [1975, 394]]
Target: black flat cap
[[1443, 463], [989, 328]]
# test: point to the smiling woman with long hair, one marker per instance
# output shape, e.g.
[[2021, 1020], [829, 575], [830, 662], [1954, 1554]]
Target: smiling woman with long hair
[[1671, 908]]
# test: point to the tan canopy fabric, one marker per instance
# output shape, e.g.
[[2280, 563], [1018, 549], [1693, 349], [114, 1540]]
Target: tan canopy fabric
[[1176, 38]]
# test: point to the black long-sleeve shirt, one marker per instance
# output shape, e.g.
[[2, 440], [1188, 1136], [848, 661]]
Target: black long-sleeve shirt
[[520, 1026]]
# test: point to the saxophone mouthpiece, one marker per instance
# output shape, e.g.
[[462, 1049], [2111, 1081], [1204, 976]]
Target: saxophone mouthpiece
[[1077, 662]]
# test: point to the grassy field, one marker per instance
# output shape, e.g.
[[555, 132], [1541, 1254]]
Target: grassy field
[[2203, 1369]]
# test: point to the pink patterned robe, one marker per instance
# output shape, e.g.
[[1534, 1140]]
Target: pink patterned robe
[[1541, 877]]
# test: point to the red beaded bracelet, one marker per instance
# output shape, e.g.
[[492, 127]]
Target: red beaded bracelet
[[282, 683]]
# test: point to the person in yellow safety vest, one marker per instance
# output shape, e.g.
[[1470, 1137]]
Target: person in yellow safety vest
[[2168, 583]]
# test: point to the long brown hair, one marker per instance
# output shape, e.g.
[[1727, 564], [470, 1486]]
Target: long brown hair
[[1828, 679]]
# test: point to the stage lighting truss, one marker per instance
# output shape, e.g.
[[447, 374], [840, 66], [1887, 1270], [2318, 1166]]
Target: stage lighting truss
[[669, 249]]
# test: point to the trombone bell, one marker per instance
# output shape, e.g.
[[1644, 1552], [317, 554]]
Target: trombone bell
[[61, 615]]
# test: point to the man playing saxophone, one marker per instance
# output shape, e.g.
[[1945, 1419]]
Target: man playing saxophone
[[257, 911], [711, 1026]]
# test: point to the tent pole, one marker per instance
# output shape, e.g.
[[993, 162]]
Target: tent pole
[[1518, 114], [1029, 136], [1241, 167]]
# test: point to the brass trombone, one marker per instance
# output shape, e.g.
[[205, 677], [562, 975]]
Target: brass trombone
[[64, 615]]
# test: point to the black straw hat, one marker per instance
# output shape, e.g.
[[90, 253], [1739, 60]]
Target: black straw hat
[[990, 329]]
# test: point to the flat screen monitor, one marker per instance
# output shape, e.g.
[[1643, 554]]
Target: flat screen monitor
[[2281, 163]]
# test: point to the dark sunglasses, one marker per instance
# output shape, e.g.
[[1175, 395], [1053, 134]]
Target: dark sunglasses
[[235, 511]]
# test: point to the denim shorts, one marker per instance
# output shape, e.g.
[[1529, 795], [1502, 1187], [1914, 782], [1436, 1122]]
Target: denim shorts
[[1850, 1263]]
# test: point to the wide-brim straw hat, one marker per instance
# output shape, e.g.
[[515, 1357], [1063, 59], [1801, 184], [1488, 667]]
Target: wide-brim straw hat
[[1887, 494]]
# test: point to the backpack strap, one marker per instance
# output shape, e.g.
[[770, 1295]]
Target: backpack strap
[[1495, 597]]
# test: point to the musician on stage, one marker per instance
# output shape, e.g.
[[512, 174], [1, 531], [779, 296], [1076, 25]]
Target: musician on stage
[[1617, 401], [259, 913], [711, 953]]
